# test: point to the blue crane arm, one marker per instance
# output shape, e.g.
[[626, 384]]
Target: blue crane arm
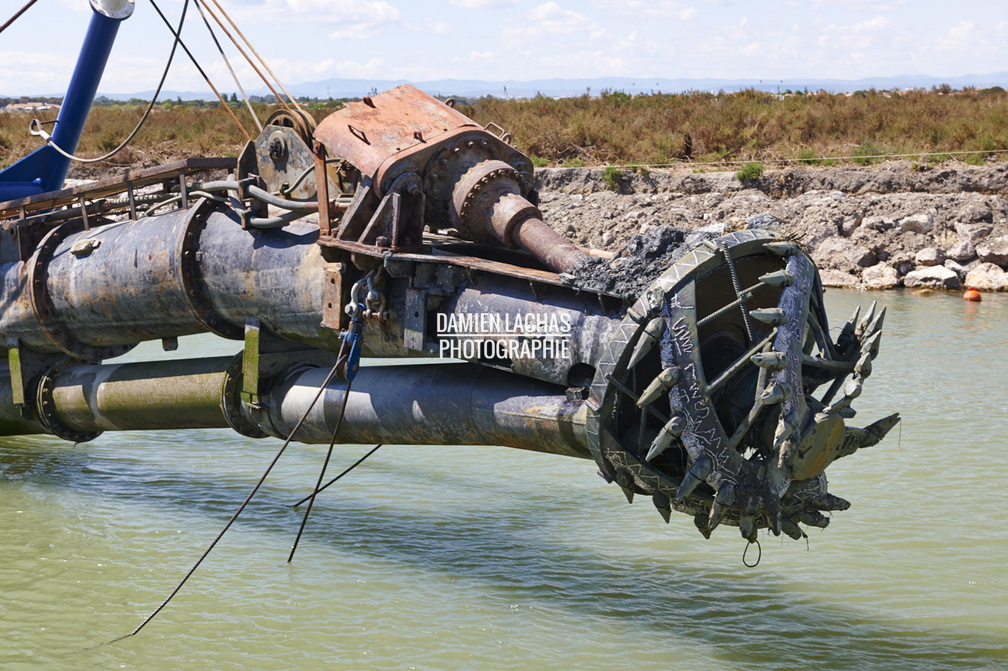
[[45, 168]]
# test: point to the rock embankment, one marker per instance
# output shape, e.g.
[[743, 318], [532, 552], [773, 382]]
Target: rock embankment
[[876, 228]]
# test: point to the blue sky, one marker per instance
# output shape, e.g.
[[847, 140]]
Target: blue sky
[[496, 40]]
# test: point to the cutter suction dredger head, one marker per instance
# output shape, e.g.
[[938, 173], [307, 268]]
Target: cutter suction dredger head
[[722, 394]]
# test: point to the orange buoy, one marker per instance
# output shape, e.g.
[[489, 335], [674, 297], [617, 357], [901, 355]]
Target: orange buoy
[[972, 294]]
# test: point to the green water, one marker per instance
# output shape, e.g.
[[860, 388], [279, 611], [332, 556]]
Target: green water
[[489, 558]]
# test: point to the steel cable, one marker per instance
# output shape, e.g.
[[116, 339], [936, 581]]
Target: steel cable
[[244, 504], [146, 114], [206, 78], [224, 57], [17, 15]]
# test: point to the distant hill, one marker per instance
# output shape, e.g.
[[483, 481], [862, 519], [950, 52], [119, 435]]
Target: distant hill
[[558, 88]]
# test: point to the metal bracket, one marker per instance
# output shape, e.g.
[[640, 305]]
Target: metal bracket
[[416, 319], [333, 316], [250, 363], [16, 372]]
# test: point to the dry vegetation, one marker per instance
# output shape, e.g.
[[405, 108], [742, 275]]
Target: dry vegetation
[[616, 128], [620, 129]]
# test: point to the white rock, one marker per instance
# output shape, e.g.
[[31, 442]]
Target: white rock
[[935, 277], [838, 278], [848, 227], [962, 251], [929, 256], [987, 277], [956, 268], [880, 276], [877, 223], [918, 223], [994, 250], [972, 232]]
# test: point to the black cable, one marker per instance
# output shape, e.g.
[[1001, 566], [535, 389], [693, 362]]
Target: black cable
[[350, 468], [146, 114], [17, 15], [332, 374]]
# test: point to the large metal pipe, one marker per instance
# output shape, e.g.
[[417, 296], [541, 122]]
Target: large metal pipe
[[429, 404], [93, 293], [141, 396], [183, 272]]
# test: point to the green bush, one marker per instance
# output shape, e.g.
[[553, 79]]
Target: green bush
[[750, 171], [613, 178], [809, 156], [867, 153]]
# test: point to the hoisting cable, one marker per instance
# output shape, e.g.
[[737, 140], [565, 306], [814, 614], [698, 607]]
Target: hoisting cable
[[261, 60], [224, 57], [276, 458], [36, 127], [248, 58], [17, 15], [333, 481], [352, 337], [200, 69]]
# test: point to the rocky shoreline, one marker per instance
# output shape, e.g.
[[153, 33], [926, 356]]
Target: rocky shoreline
[[882, 227]]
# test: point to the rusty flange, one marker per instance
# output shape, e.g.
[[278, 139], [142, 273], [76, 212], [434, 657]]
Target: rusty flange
[[45, 408], [189, 255]]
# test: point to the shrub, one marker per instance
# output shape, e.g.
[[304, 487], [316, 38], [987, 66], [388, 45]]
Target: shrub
[[809, 156], [867, 153], [750, 171], [613, 178]]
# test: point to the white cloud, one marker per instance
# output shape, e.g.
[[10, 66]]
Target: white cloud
[[549, 21], [662, 9], [481, 4], [354, 19], [440, 27]]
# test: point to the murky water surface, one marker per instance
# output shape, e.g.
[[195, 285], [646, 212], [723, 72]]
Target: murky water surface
[[489, 558]]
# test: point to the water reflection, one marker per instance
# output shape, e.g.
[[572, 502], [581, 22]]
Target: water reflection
[[489, 558]]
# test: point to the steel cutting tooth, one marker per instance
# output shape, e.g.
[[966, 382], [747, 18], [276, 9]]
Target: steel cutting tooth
[[857, 439], [813, 518], [863, 367], [723, 500], [781, 247], [784, 430], [770, 360], [852, 389], [876, 431], [778, 278], [771, 316], [847, 332], [876, 325], [791, 529], [701, 468], [863, 326], [700, 520], [747, 526], [625, 482], [672, 430], [773, 507], [827, 501], [775, 393], [747, 519], [661, 502], [871, 344], [652, 332], [661, 384]]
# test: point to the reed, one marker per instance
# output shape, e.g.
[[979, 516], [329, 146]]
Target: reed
[[616, 128]]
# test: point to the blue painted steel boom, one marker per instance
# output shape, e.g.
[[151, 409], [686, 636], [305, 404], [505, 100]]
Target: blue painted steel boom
[[45, 168]]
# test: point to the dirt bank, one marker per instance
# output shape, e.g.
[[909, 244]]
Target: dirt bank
[[878, 227]]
